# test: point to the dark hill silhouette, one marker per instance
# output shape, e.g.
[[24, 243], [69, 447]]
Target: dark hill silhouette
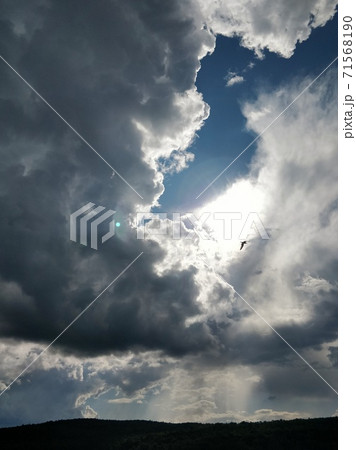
[[299, 434]]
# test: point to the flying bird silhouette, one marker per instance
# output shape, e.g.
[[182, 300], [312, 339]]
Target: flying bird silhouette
[[243, 244]]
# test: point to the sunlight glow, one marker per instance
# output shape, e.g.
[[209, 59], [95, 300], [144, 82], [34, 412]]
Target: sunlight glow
[[231, 215]]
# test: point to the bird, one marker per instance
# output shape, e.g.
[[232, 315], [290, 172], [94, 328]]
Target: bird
[[113, 174], [242, 244]]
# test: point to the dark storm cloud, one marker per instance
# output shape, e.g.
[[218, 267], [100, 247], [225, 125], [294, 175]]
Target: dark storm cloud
[[333, 355], [258, 347], [144, 312], [297, 380], [81, 60]]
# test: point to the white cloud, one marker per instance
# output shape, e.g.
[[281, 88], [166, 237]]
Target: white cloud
[[261, 25], [170, 139], [232, 78], [292, 186], [89, 413]]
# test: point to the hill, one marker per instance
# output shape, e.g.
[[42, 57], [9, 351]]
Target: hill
[[299, 434]]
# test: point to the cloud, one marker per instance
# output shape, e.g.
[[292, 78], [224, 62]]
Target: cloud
[[232, 78], [60, 385], [278, 29], [136, 112], [83, 65], [89, 413], [290, 279], [333, 355]]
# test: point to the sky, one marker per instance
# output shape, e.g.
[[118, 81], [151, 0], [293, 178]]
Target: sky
[[148, 104]]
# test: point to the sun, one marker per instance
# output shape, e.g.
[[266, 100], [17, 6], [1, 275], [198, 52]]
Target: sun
[[231, 214]]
